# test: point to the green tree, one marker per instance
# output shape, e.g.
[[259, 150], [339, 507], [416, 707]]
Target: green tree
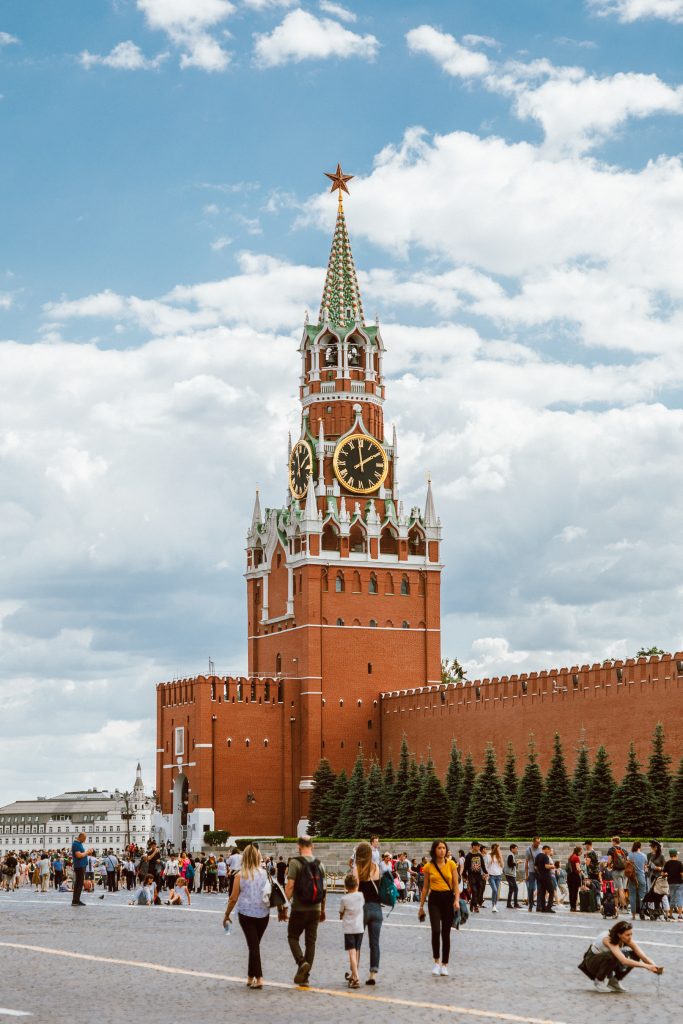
[[632, 810], [524, 815], [510, 780], [431, 809], [371, 818], [659, 778], [405, 811], [487, 810], [353, 803], [456, 826], [331, 807], [388, 788], [402, 773], [649, 652], [557, 811], [582, 771], [453, 774], [599, 792], [452, 671], [674, 822], [323, 780]]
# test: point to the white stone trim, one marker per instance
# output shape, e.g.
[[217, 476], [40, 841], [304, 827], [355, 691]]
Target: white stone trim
[[331, 625]]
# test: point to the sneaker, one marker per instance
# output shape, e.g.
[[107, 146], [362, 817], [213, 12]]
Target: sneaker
[[616, 985], [436, 970], [494, 910], [601, 986], [444, 971], [303, 970]]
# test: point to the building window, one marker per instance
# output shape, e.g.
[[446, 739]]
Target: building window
[[341, 702], [226, 690], [405, 624], [280, 693], [339, 583], [405, 585], [369, 668], [278, 664], [247, 743], [369, 723], [372, 587], [229, 741], [213, 691], [239, 692], [266, 690], [265, 743], [373, 623], [179, 743], [340, 622]]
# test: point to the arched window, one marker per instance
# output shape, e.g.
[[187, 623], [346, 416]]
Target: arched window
[[354, 352], [356, 582], [405, 585], [388, 541], [388, 583], [416, 542], [373, 623], [278, 664], [372, 586], [357, 538], [330, 541], [339, 583], [406, 624], [340, 622]]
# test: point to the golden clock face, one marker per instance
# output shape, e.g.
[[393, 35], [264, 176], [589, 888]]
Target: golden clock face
[[300, 468], [360, 463]]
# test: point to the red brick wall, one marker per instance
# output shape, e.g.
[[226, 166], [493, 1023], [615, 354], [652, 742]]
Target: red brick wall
[[592, 702]]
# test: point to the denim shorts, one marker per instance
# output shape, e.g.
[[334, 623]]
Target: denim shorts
[[352, 940], [676, 896]]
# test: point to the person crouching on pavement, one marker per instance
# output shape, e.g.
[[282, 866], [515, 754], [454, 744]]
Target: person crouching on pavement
[[612, 955]]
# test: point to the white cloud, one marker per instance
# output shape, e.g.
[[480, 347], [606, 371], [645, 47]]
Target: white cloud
[[302, 36], [475, 40], [6, 39], [455, 59], [125, 56], [577, 111], [5, 300], [634, 10], [221, 243], [337, 11], [187, 24], [263, 5]]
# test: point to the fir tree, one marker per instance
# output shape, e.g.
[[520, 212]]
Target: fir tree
[[405, 810], [659, 779], [388, 788], [353, 803], [331, 806], [632, 810], [453, 775], [510, 780], [487, 811], [674, 822], [456, 826], [582, 771], [323, 781], [599, 793], [431, 809], [524, 815], [371, 817], [557, 811], [402, 773]]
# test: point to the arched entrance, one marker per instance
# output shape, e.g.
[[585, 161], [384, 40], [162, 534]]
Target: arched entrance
[[180, 801]]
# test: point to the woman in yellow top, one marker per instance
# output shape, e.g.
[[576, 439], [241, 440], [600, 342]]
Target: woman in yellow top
[[441, 889]]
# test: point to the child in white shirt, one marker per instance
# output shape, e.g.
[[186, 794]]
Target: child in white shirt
[[351, 914]]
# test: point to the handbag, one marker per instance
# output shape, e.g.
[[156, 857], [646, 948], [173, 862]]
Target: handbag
[[277, 896], [267, 890]]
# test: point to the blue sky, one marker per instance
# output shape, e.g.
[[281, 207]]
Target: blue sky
[[516, 219]]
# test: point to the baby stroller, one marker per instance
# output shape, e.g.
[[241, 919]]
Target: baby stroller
[[651, 908], [608, 906]]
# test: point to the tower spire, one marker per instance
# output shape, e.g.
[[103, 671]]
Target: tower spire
[[430, 511], [256, 518], [341, 294]]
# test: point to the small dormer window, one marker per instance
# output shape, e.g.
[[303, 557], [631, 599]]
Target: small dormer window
[[349, 312]]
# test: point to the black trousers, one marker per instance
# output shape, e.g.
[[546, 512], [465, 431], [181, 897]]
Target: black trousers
[[513, 891], [111, 881], [59, 878], [476, 886], [253, 928], [306, 921], [441, 914], [170, 881], [573, 884], [79, 878], [544, 894]]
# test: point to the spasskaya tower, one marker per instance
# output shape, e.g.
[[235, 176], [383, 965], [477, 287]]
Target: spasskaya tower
[[343, 581]]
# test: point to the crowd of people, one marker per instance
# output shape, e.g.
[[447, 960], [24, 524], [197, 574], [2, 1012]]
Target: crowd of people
[[448, 885]]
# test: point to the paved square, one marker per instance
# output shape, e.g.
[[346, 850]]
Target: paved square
[[112, 964]]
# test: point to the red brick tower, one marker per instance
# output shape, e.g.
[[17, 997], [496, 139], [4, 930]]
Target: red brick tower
[[343, 584]]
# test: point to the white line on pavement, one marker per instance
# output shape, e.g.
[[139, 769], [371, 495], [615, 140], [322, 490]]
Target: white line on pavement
[[513, 1018], [13, 1013]]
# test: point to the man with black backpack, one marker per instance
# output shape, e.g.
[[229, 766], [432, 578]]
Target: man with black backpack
[[306, 889]]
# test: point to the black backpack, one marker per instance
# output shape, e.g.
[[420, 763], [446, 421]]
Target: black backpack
[[309, 887]]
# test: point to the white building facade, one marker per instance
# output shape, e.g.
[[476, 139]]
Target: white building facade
[[109, 820]]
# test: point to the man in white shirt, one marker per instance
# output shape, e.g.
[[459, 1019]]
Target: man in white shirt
[[234, 865], [374, 843], [44, 868]]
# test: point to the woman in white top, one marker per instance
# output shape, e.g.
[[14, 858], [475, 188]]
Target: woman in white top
[[611, 955], [179, 896], [494, 869], [253, 910]]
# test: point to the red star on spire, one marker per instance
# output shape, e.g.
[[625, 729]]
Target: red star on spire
[[339, 180]]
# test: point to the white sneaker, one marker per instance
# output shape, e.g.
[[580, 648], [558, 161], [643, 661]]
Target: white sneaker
[[601, 986], [444, 971], [436, 970], [494, 910]]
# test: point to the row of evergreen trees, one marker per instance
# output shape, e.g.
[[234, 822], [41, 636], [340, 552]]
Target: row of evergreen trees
[[411, 800]]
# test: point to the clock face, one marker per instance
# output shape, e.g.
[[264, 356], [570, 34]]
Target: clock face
[[300, 468], [360, 463]]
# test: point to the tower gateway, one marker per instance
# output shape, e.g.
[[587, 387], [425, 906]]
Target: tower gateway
[[343, 593]]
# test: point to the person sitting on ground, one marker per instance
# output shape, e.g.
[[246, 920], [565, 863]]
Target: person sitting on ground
[[179, 895], [351, 915], [146, 895], [611, 956]]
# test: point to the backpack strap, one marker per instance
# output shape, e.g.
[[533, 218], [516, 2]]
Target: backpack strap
[[450, 886]]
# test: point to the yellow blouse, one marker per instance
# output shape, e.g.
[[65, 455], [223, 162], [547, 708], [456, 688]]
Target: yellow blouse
[[436, 882]]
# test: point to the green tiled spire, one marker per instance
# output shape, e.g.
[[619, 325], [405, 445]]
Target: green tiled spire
[[341, 294]]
